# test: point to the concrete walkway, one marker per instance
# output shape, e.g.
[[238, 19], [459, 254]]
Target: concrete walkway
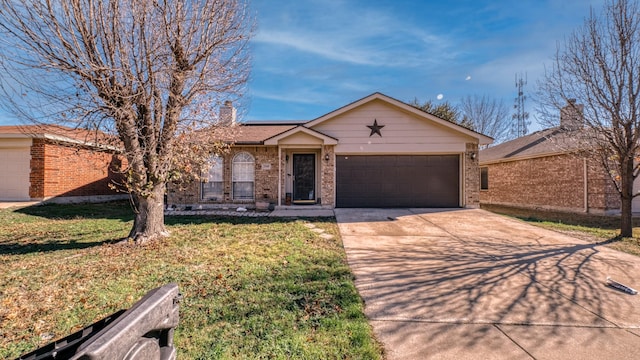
[[469, 284]]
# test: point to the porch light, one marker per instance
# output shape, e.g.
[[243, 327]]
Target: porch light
[[326, 157]]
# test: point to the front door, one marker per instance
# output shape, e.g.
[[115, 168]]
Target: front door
[[304, 178]]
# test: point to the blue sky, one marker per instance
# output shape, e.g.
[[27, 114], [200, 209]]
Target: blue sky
[[313, 56]]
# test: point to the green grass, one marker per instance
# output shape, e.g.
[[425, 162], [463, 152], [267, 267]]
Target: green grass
[[592, 228], [253, 288], [607, 237]]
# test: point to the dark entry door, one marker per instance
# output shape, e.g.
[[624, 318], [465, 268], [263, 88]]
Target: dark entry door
[[304, 178]]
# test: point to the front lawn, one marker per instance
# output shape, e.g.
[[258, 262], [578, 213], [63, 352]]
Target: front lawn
[[253, 287]]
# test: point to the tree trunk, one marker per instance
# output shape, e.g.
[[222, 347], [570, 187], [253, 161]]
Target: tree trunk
[[626, 226], [626, 195], [148, 224]]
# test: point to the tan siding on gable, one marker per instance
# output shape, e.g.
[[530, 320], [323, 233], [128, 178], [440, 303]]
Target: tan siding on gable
[[400, 149], [403, 132], [300, 139]]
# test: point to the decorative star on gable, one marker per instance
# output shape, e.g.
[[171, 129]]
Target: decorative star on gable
[[375, 128]]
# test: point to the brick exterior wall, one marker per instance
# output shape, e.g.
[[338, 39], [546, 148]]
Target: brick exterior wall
[[266, 180], [471, 177], [551, 182], [327, 176], [265, 185], [36, 176], [61, 170], [283, 176]]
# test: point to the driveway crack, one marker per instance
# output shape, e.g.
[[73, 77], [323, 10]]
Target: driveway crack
[[497, 326]]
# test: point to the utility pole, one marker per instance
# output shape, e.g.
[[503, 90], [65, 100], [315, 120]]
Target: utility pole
[[520, 117]]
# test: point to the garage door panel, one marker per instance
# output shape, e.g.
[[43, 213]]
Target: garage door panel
[[398, 181], [14, 179]]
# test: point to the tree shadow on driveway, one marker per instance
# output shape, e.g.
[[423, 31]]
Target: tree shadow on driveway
[[553, 288]]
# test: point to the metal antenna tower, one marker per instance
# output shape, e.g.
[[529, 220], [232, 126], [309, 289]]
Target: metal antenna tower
[[520, 117]]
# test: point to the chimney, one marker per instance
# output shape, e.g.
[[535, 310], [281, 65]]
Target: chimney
[[227, 114], [572, 116]]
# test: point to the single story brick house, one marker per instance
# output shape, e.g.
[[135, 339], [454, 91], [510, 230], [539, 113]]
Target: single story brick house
[[542, 171], [374, 152], [56, 164]]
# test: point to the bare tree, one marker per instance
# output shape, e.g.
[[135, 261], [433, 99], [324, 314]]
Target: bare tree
[[150, 72], [488, 116], [599, 66], [445, 111]]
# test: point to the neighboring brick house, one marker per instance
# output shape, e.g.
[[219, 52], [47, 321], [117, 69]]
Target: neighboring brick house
[[374, 152], [56, 164], [543, 171]]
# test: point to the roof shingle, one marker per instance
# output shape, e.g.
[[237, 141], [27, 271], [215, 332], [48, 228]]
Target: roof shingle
[[540, 143], [252, 134]]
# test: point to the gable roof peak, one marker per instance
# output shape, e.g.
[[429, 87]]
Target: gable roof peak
[[482, 139]]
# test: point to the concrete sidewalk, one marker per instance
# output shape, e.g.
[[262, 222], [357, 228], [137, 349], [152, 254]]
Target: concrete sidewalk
[[468, 284], [17, 204], [302, 213]]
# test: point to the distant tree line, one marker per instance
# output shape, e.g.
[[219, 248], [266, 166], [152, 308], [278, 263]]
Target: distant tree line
[[483, 114]]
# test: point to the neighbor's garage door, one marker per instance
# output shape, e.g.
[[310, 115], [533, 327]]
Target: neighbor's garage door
[[14, 173], [398, 181]]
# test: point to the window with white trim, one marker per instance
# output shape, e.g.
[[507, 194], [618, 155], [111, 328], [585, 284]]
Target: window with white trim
[[243, 176], [213, 184]]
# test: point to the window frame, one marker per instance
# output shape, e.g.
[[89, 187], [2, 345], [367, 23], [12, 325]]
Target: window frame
[[245, 161], [484, 178], [216, 169]]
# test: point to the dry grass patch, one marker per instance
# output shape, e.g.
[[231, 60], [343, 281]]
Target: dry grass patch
[[253, 288]]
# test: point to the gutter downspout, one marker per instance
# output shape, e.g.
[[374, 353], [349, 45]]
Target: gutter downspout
[[586, 187]]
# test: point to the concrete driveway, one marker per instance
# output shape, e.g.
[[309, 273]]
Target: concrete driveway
[[469, 284]]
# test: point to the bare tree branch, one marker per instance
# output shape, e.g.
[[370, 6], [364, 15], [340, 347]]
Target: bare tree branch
[[598, 66], [148, 71], [488, 116]]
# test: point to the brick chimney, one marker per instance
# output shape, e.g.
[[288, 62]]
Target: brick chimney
[[227, 114], [572, 116]]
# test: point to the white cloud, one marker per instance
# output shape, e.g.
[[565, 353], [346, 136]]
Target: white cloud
[[297, 96], [356, 36], [322, 47]]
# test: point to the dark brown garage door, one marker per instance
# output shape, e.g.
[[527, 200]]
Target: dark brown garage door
[[397, 181]]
